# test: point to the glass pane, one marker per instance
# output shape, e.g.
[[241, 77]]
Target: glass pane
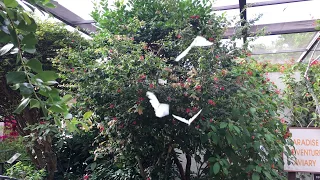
[[280, 58], [82, 8], [218, 3], [298, 11], [281, 43], [233, 15]]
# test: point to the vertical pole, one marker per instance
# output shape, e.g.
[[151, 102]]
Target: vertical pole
[[291, 175]]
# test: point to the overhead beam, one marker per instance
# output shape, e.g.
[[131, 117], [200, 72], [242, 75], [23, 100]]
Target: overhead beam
[[310, 46], [257, 4], [278, 28], [278, 52], [70, 18], [243, 17]]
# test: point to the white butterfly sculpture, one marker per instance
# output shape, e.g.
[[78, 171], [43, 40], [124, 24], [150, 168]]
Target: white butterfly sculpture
[[187, 121], [161, 110], [198, 41]]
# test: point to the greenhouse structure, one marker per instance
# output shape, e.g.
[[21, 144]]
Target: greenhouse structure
[[159, 89]]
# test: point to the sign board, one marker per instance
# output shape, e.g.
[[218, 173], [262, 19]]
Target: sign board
[[316, 176], [13, 158], [307, 150]]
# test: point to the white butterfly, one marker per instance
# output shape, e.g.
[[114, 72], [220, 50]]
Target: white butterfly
[[198, 41], [187, 121], [161, 110], [162, 82]]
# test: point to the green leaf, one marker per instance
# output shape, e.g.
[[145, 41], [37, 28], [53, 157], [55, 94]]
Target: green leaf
[[253, 111], [68, 116], [66, 98], [11, 3], [30, 50], [34, 103], [87, 115], [22, 105], [50, 5], [57, 108], [47, 75], [267, 174], [6, 49], [223, 125], [51, 82], [15, 77], [28, 27], [255, 176], [29, 40], [258, 169], [35, 65], [26, 88], [216, 168]]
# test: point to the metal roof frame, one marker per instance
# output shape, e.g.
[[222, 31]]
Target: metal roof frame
[[87, 27], [257, 4]]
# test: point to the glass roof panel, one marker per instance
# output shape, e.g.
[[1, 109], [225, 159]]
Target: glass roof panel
[[280, 58], [218, 3], [281, 43], [82, 8], [298, 11]]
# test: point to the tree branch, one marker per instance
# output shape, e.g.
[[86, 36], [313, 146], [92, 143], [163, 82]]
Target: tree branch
[[188, 166], [142, 173]]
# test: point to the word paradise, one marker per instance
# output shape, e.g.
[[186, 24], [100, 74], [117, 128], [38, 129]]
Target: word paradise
[[306, 151]]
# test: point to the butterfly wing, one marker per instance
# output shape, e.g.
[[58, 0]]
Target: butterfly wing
[[181, 119], [184, 53], [201, 41], [163, 110], [194, 117], [153, 100]]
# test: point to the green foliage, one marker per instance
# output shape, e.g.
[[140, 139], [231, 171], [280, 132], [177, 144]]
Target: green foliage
[[25, 172], [9, 147], [240, 107], [298, 98]]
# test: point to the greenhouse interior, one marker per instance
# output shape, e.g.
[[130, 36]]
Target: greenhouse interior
[[159, 89]]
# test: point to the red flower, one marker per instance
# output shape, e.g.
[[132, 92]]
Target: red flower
[[211, 102], [222, 88], [268, 79], [211, 39], [101, 128], [119, 90], [42, 122], [197, 17], [72, 69], [215, 79], [193, 17], [148, 178], [249, 73], [314, 62], [178, 36], [72, 40], [198, 87], [141, 57], [277, 91], [169, 98], [114, 118], [198, 126], [211, 120], [217, 56], [267, 111], [110, 51], [143, 76], [189, 80], [185, 94], [282, 120], [194, 109], [121, 126], [252, 137], [85, 177], [151, 86], [111, 106], [188, 110], [132, 38], [140, 99], [134, 122]]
